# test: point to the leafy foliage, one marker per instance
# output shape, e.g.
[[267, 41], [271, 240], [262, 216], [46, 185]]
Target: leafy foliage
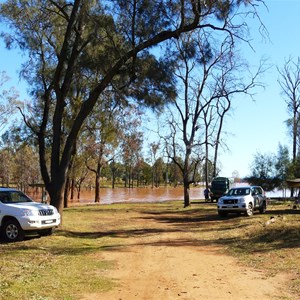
[[268, 172]]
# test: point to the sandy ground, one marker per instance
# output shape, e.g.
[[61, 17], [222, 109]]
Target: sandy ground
[[165, 267]]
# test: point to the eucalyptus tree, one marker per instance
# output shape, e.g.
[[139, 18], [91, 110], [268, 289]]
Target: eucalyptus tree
[[282, 165], [210, 73], [175, 174], [289, 82], [77, 173], [102, 133], [18, 158], [222, 108], [271, 171], [145, 173], [159, 170], [6, 162], [117, 172], [131, 145], [68, 40], [263, 171], [153, 149]]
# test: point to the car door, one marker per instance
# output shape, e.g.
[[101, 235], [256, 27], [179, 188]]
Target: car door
[[259, 195], [256, 198], [4, 198], [1, 212]]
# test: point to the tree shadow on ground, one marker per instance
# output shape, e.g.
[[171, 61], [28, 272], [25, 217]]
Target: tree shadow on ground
[[188, 218], [112, 233], [153, 228], [281, 211]]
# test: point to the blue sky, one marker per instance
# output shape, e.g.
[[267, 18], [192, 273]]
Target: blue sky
[[253, 126], [258, 126]]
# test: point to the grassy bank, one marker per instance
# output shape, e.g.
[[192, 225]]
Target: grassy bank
[[69, 263]]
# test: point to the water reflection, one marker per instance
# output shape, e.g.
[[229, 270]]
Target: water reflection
[[118, 195]]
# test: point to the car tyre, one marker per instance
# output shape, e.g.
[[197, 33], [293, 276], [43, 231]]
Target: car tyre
[[262, 208], [249, 211], [12, 231]]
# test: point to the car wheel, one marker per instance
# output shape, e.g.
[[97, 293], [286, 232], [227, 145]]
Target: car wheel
[[249, 211], [12, 231], [262, 208], [222, 214]]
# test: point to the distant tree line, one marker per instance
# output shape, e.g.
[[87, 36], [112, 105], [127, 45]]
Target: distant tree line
[[19, 166]]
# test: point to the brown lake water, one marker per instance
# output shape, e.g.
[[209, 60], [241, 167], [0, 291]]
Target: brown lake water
[[119, 195]]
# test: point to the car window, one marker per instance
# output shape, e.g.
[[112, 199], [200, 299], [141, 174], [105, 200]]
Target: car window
[[4, 197], [256, 191], [13, 197], [239, 192], [259, 191]]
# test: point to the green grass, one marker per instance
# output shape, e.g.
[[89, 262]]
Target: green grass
[[53, 268], [68, 264]]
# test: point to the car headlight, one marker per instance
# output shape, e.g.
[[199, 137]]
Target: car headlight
[[54, 209], [220, 201], [242, 200], [29, 212]]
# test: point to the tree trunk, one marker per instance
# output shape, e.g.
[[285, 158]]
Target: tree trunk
[[78, 192], [186, 179], [113, 175], [56, 193], [97, 189], [113, 181], [152, 178], [294, 154], [67, 193], [72, 189], [186, 187], [224, 108]]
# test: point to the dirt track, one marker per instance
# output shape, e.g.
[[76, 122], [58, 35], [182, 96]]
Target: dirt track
[[169, 266], [176, 273]]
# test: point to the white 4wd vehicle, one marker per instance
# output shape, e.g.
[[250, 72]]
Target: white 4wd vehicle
[[243, 200], [19, 214]]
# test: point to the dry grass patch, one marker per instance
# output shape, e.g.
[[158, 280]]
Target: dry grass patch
[[269, 242], [68, 264]]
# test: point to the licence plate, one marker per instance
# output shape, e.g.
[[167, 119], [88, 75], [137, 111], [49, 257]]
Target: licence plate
[[48, 222]]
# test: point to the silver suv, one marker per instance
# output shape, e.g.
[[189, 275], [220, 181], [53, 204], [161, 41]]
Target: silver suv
[[243, 200], [19, 215]]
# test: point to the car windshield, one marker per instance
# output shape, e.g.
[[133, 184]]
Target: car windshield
[[239, 192], [13, 197]]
